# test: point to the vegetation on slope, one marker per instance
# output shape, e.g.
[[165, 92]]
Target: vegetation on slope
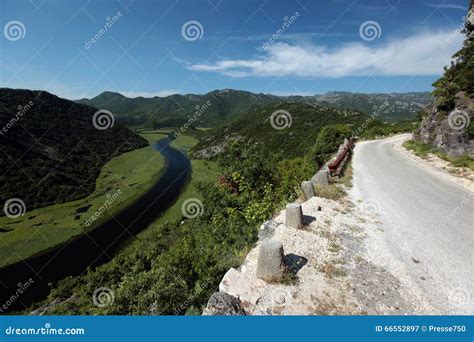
[[307, 121], [175, 265], [124, 178], [51, 151], [459, 76], [422, 150]]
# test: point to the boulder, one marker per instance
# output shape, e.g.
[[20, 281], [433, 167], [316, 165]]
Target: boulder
[[240, 285], [270, 263], [267, 230], [321, 177], [223, 304], [308, 189], [294, 216]]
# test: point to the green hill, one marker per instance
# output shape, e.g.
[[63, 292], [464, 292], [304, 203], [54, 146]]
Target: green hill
[[294, 140], [51, 151]]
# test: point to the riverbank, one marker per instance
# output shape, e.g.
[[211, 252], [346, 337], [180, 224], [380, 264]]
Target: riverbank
[[98, 246], [121, 181], [67, 296]]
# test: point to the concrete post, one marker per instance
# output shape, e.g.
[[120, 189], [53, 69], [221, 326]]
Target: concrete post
[[308, 189], [270, 264], [321, 177], [294, 216]]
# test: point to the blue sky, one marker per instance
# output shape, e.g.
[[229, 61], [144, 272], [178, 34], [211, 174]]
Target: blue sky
[[146, 50]]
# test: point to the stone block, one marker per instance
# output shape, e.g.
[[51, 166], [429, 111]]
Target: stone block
[[270, 263], [321, 177], [242, 286], [294, 216], [308, 189]]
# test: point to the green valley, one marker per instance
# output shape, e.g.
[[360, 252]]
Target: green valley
[[122, 180]]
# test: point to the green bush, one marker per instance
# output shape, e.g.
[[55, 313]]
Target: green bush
[[328, 141]]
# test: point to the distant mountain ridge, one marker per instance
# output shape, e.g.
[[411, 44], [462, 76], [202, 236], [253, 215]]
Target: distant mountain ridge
[[229, 105]]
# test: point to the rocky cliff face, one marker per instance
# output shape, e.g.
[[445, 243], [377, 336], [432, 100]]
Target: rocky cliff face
[[448, 121], [450, 132]]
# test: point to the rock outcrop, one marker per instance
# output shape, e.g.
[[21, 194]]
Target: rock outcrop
[[449, 133], [448, 121], [223, 304]]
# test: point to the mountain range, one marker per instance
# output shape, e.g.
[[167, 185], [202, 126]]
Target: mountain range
[[228, 105]]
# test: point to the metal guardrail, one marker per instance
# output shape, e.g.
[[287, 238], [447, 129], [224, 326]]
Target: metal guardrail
[[336, 165]]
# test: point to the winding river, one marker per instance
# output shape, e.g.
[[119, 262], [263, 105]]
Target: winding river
[[96, 247]]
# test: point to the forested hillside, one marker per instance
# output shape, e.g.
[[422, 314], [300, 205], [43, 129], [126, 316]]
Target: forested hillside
[[51, 150]]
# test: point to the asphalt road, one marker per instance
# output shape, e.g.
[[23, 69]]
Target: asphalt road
[[427, 225]]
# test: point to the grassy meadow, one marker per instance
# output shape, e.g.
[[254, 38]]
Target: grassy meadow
[[124, 178]]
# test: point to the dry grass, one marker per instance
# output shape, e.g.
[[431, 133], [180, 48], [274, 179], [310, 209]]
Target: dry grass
[[331, 191]]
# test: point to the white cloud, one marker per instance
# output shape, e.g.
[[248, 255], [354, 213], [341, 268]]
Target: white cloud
[[424, 53], [447, 6], [161, 93]]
